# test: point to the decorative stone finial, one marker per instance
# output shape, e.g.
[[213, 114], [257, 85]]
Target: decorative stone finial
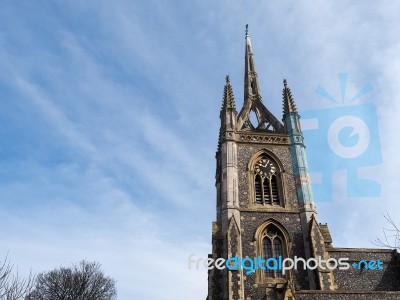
[[288, 102]]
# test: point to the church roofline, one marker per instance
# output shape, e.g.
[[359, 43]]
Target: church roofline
[[368, 250]]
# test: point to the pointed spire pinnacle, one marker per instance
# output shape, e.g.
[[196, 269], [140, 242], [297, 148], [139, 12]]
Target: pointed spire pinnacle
[[251, 87], [228, 112], [228, 100], [266, 121], [288, 102]]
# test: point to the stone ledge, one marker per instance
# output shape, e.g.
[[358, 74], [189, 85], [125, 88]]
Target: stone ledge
[[261, 137], [369, 250], [349, 292], [269, 210]]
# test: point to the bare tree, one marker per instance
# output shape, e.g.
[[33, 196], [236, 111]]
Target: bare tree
[[391, 235], [84, 281], [12, 286]]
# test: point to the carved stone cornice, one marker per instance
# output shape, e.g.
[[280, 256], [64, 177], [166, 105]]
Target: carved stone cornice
[[264, 138]]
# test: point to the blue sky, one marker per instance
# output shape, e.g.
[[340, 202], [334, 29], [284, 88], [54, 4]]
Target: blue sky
[[109, 118]]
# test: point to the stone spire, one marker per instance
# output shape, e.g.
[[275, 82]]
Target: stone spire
[[288, 103], [266, 121], [251, 86], [228, 114], [228, 101]]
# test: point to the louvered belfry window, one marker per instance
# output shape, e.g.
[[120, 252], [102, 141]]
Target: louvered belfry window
[[266, 185]]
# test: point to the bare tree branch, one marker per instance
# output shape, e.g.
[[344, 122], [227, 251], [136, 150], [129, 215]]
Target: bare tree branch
[[391, 235], [12, 286]]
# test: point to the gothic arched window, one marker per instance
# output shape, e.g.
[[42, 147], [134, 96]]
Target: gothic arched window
[[266, 182], [272, 247], [272, 241]]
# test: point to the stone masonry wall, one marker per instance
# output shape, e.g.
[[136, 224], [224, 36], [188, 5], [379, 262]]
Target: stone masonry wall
[[387, 279], [319, 295], [245, 152], [252, 219]]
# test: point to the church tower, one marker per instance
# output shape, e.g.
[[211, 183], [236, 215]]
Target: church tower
[[264, 201]]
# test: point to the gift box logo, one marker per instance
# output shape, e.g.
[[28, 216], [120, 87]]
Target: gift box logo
[[344, 137]]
